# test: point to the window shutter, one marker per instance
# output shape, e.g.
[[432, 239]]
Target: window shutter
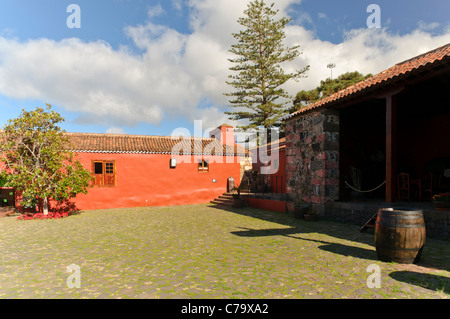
[[104, 173], [97, 168], [110, 174]]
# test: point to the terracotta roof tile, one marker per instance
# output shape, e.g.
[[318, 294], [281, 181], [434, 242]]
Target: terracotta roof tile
[[399, 71], [143, 144], [277, 144]]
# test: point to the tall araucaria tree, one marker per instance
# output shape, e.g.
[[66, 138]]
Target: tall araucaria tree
[[258, 83], [37, 159]]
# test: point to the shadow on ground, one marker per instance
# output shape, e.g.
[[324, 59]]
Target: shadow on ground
[[295, 232], [436, 253], [428, 281], [297, 226]]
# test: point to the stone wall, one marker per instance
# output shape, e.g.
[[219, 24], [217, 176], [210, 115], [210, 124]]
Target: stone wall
[[312, 153], [312, 169], [246, 165], [437, 223]]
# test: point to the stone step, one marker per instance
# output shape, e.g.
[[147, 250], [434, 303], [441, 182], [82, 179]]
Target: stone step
[[226, 196], [6, 212], [215, 202], [222, 201], [226, 199], [6, 208]]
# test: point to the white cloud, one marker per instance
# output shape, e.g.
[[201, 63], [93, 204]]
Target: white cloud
[[363, 50], [155, 11], [88, 77], [115, 130], [427, 26], [176, 73], [177, 5], [212, 117]]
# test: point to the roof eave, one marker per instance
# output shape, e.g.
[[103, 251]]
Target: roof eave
[[371, 90]]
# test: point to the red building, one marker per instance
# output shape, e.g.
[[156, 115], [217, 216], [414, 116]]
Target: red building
[[137, 170], [266, 182], [270, 163]]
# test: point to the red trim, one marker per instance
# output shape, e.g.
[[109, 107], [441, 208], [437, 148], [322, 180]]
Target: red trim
[[267, 204]]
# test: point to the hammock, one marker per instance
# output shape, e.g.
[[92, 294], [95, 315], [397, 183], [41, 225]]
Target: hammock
[[368, 191]]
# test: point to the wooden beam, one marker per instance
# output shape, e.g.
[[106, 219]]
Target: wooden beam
[[391, 148], [389, 92]]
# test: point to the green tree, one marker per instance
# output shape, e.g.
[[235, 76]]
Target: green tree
[[37, 160], [258, 83], [326, 88]]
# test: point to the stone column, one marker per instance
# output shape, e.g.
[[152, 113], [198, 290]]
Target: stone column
[[312, 156]]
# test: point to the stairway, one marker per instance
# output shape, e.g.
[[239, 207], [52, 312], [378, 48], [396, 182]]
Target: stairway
[[225, 200], [6, 211]]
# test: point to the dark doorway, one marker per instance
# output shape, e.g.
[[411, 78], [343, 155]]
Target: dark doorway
[[424, 136], [7, 198], [362, 150]]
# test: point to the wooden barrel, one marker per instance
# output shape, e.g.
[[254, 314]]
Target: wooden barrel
[[399, 235]]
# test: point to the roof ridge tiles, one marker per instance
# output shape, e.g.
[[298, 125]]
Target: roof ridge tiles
[[441, 48], [137, 135], [147, 144]]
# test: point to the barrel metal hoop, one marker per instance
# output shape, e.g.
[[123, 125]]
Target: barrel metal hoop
[[401, 226], [408, 216], [397, 249], [401, 212]]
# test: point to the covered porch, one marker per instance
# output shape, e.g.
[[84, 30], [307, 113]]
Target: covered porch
[[382, 142], [396, 146]]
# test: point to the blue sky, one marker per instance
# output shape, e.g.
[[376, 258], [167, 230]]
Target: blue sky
[[149, 67]]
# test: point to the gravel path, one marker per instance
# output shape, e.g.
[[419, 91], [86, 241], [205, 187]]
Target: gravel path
[[201, 251]]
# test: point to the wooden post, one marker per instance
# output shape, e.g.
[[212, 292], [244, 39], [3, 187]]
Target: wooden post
[[391, 148]]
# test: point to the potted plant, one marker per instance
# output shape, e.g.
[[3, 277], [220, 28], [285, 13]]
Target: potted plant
[[238, 201], [301, 208], [441, 201]]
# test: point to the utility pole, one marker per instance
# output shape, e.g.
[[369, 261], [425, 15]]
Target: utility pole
[[331, 66]]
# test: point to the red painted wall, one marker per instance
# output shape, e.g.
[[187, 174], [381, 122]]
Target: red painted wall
[[272, 205], [277, 179], [148, 180], [421, 141]]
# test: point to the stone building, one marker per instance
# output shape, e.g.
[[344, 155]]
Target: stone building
[[395, 121]]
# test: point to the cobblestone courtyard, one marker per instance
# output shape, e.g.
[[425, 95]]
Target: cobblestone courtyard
[[201, 251]]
